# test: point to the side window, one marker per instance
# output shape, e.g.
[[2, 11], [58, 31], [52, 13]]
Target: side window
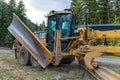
[[65, 24], [52, 28], [53, 25], [65, 29]]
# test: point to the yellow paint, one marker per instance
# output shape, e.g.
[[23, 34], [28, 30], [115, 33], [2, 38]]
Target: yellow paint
[[43, 40], [88, 59], [110, 49], [99, 34], [108, 34]]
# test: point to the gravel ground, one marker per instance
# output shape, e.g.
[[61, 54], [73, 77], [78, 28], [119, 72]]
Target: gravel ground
[[6, 50]]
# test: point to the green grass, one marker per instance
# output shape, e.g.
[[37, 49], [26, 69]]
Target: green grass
[[117, 71], [66, 72], [113, 57], [2, 57], [113, 42], [8, 59], [6, 74]]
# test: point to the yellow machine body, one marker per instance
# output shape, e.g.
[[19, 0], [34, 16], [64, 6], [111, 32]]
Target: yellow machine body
[[41, 36]]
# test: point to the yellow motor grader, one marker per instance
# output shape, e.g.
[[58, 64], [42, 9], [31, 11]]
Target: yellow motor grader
[[63, 41]]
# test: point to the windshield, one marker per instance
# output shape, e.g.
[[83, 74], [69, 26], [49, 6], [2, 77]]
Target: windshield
[[65, 24], [60, 22]]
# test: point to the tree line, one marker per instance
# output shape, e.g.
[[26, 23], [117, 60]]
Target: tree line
[[100, 11], [6, 11]]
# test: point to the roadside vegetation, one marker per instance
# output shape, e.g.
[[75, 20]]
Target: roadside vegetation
[[114, 57], [117, 71]]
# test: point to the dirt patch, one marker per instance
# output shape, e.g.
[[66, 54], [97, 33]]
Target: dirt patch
[[4, 66], [10, 71]]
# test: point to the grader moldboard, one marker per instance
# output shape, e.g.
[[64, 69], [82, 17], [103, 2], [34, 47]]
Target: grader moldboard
[[62, 41]]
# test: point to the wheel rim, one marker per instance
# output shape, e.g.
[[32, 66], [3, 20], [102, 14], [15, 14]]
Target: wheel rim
[[22, 55]]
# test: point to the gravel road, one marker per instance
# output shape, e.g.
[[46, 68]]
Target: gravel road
[[6, 50]]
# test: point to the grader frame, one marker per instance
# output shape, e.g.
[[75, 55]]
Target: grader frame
[[85, 53]]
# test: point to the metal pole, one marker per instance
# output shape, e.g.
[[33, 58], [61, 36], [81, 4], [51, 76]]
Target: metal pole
[[86, 17], [86, 25]]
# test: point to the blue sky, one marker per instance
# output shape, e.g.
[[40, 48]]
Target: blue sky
[[37, 9]]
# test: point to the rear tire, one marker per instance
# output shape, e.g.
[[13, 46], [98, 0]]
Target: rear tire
[[34, 63], [23, 56]]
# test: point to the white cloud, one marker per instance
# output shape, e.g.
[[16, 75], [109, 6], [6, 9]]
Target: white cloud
[[36, 16], [47, 5], [43, 7]]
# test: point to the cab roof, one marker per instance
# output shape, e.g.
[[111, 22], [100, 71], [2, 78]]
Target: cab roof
[[66, 11]]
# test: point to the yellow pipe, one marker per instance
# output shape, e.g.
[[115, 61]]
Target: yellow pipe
[[110, 49]]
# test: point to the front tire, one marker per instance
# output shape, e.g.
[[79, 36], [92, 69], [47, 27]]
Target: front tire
[[23, 56]]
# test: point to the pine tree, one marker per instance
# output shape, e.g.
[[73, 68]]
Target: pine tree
[[29, 24], [6, 10], [116, 20], [11, 7], [115, 10], [92, 7], [100, 11], [21, 11], [78, 8], [3, 21]]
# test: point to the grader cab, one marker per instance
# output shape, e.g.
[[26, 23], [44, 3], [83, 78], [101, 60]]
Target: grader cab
[[60, 43]]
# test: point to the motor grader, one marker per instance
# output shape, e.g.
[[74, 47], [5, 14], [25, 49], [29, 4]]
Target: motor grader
[[62, 41]]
